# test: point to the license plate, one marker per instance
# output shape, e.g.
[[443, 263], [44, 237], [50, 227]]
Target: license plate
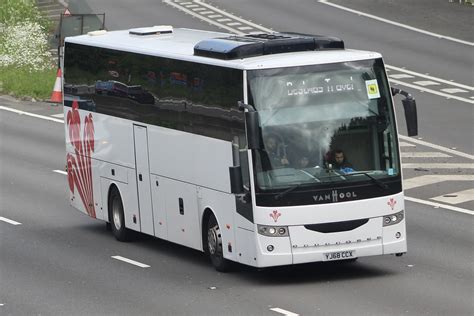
[[340, 255]]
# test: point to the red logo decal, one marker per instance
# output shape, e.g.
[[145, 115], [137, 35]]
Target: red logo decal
[[275, 215], [79, 173], [392, 203]]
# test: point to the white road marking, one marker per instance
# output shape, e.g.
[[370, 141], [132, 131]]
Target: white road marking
[[60, 171], [434, 146], [256, 26], [202, 17], [224, 20], [438, 205], [417, 74], [425, 83], [199, 9], [284, 312], [449, 38], [438, 165], [136, 263], [404, 144], [455, 197], [449, 96], [59, 115], [234, 24], [244, 28], [48, 118], [432, 179], [453, 90], [424, 154], [401, 76], [206, 12], [405, 73], [9, 221]]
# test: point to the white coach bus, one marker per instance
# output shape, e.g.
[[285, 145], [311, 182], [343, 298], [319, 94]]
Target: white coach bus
[[263, 149]]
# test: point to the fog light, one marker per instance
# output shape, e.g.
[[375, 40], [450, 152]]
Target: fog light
[[398, 235], [270, 248]]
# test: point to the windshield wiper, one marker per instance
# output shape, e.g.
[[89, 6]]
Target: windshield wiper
[[290, 189], [375, 180]]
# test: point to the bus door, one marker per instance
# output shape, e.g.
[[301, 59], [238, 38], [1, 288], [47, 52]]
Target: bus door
[[142, 170]]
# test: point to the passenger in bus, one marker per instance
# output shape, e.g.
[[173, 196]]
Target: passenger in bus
[[276, 151], [302, 162], [301, 158], [340, 162]]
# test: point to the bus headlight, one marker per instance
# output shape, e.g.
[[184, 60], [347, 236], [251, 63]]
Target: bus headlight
[[273, 231], [393, 219]]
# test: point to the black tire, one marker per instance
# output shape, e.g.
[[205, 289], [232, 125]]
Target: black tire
[[116, 217], [213, 246]]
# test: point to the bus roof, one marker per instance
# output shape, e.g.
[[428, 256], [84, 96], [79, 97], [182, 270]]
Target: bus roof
[[181, 42]]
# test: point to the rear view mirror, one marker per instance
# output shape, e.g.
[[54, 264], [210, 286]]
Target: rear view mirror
[[411, 116], [252, 123], [236, 183], [254, 137]]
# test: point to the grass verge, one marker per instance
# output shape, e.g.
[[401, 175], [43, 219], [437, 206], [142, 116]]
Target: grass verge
[[23, 83]]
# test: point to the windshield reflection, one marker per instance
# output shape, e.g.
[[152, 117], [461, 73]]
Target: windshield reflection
[[321, 123]]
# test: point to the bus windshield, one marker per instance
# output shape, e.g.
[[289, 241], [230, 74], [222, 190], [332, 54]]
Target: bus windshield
[[324, 125]]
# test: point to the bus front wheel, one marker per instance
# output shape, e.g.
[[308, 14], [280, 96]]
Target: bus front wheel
[[117, 218], [214, 246]]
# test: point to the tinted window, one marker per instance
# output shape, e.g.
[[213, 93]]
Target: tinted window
[[192, 97]]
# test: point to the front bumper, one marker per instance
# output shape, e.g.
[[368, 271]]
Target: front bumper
[[305, 246]]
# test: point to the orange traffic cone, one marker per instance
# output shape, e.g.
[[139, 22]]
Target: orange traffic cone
[[57, 95]]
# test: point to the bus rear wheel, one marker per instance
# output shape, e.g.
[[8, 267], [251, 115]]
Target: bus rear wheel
[[214, 246], [117, 218]]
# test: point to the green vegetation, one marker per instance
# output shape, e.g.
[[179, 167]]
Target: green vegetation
[[13, 12], [26, 65], [23, 82]]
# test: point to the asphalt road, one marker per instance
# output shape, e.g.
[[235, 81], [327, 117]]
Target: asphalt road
[[59, 261]]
